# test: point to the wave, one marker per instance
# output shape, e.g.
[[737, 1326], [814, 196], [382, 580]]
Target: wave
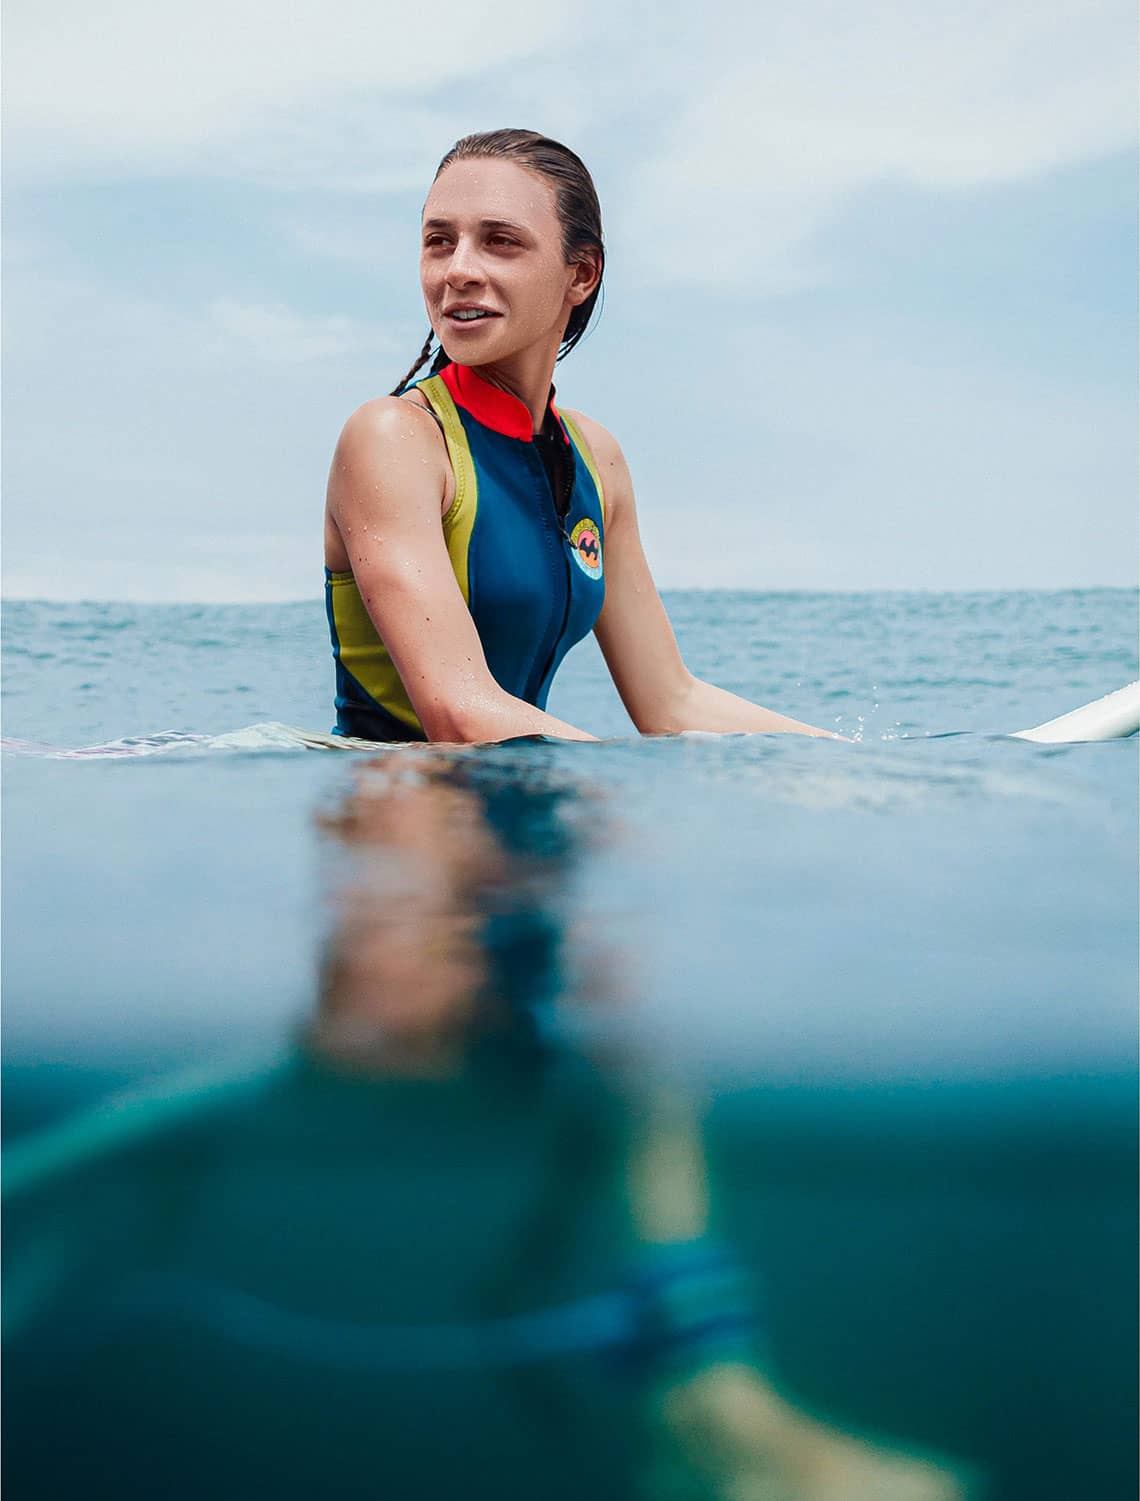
[[1113, 717], [254, 737]]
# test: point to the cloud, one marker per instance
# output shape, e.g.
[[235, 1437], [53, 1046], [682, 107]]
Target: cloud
[[130, 86], [181, 354], [203, 571], [150, 446], [819, 101], [749, 128], [93, 321], [275, 333], [845, 461]]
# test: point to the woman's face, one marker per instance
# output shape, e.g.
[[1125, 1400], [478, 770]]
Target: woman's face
[[492, 241]]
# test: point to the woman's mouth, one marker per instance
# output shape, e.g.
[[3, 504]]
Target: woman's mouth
[[469, 317]]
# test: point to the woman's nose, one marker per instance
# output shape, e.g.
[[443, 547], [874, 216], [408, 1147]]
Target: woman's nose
[[463, 265]]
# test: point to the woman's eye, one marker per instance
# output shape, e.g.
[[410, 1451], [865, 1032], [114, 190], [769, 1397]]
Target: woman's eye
[[503, 240]]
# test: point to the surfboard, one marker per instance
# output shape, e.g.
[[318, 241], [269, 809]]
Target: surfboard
[[1113, 717]]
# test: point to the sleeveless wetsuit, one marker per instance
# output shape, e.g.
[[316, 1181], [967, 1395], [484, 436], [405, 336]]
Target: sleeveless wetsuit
[[525, 536]]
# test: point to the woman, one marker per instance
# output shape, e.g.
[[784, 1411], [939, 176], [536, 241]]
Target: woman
[[473, 533]]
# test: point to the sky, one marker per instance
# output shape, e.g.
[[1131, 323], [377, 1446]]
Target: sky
[[870, 311]]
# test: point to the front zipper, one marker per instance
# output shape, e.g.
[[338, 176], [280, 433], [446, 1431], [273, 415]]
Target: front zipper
[[564, 536]]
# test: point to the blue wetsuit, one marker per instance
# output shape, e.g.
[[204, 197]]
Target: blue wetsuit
[[525, 535]]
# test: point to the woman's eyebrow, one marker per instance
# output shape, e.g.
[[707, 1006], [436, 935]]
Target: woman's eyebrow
[[483, 224]]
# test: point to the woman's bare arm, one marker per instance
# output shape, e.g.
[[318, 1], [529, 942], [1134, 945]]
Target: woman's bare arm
[[384, 498]]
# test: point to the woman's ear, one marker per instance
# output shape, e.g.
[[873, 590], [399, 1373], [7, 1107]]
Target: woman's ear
[[587, 275]]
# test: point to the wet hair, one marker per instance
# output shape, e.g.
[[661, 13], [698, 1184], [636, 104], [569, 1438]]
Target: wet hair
[[575, 201]]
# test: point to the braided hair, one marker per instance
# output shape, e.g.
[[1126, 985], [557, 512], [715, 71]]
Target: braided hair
[[575, 201]]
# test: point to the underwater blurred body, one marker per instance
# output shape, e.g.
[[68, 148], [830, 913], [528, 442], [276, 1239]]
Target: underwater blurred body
[[895, 981]]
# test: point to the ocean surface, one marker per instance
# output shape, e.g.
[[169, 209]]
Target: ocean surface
[[495, 1110]]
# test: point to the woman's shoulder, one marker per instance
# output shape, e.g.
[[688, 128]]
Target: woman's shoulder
[[602, 443], [389, 448], [609, 461], [388, 419]]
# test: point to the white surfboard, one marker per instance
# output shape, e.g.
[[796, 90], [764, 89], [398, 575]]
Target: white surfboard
[[1112, 717]]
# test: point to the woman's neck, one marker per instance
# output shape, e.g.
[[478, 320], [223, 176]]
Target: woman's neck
[[526, 376]]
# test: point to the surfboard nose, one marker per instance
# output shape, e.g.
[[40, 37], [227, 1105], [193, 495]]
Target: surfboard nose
[[1112, 717]]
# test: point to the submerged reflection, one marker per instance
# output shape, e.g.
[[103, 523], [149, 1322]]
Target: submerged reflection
[[449, 927], [438, 1250]]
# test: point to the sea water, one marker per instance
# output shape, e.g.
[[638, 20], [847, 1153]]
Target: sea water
[[882, 993]]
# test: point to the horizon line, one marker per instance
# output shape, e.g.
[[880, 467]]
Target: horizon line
[[315, 598]]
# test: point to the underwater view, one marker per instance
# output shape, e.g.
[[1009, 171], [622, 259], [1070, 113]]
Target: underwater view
[[745, 1116]]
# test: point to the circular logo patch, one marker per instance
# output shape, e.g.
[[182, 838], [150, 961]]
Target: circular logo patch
[[586, 545]]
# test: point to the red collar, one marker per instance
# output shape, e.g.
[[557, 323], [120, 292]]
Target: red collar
[[492, 406]]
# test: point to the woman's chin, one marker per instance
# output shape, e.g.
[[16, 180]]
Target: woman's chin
[[477, 349]]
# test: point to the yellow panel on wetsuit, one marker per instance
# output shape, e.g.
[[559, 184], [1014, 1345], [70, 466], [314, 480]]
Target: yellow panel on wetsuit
[[529, 565]]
